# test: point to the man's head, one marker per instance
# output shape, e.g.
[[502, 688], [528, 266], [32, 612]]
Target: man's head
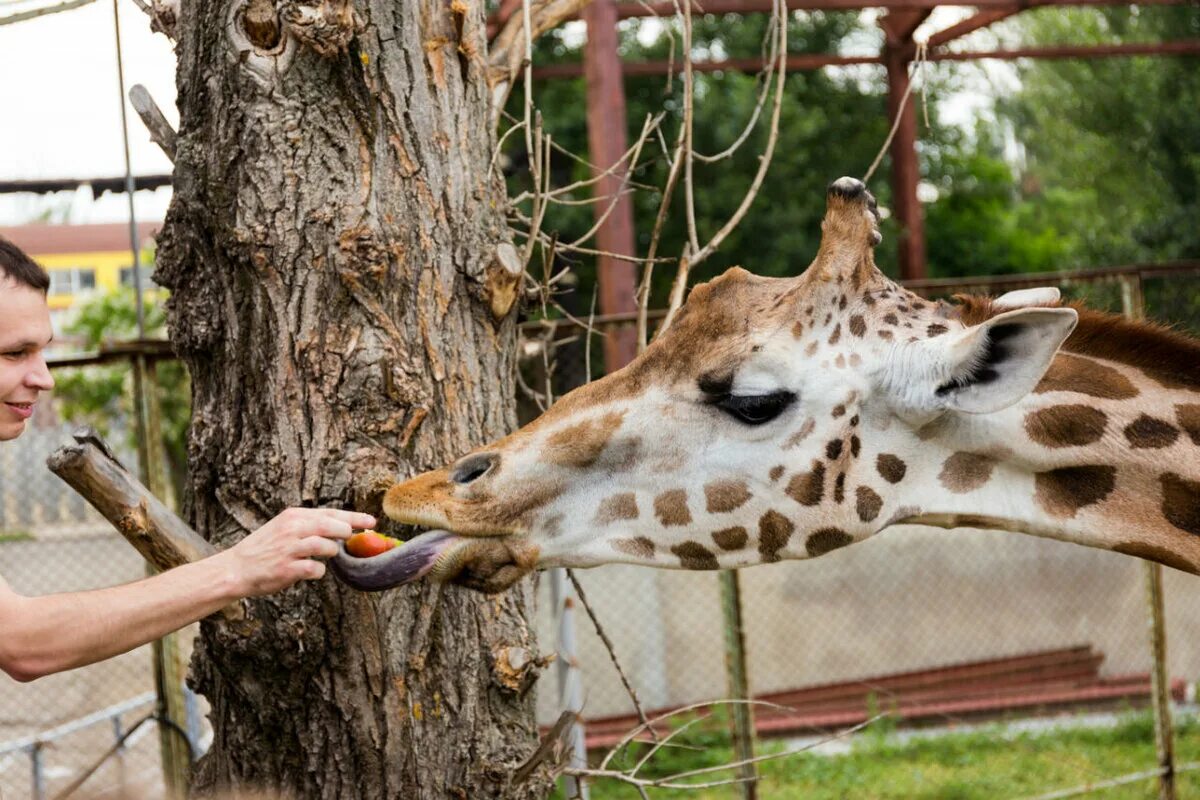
[[24, 333]]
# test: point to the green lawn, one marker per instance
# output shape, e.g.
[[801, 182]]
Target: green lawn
[[989, 763]]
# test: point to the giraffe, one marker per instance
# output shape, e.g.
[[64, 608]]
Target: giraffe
[[783, 418]]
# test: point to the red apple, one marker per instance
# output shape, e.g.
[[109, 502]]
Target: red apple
[[366, 544]]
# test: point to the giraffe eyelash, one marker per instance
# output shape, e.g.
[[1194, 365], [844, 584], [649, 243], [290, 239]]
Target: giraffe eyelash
[[754, 409]]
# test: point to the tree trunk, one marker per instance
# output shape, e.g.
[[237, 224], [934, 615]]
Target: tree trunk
[[340, 285]]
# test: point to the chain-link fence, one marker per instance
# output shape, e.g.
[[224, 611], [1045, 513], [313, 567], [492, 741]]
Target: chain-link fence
[[939, 627], [54, 730]]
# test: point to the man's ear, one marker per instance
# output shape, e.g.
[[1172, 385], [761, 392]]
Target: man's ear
[[994, 364]]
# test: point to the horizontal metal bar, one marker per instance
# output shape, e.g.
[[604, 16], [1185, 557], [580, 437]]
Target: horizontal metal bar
[[99, 185], [102, 715]]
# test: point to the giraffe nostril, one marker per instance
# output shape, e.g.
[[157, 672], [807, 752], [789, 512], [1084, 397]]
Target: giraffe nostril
[[472, 468]]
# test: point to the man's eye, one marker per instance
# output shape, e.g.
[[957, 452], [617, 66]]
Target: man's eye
[[755, 409]]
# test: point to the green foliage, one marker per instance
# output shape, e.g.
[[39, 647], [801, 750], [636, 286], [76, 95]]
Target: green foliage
[[102, 396], [1113, 144], [15, 536]]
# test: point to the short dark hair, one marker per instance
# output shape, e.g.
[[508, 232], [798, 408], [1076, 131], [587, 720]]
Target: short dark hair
[[15, 264]]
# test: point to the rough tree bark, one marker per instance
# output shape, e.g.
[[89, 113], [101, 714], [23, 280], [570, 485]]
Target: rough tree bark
[[341, 285]]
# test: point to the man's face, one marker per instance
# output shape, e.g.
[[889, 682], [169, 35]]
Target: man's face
[[24, 333]]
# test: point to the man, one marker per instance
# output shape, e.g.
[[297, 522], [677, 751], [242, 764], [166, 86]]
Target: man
[[42, 635]]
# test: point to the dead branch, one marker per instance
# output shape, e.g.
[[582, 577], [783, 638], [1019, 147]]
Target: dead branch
[[764, 163], [161, 131], [164, 14], [552, 750], [674, 781], [34, 13], [612, 653], [163, 539], [506, 53]]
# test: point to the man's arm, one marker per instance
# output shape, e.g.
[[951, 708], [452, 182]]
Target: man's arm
[[43, 635]]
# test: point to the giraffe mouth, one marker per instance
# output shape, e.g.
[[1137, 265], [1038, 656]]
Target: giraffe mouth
[[485, 563], [429, 552]]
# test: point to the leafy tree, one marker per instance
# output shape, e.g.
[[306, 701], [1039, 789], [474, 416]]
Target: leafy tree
[[1113, 144], [102, 396]]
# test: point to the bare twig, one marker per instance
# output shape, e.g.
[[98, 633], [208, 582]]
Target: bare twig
[[674, 781], [917, 62], [552, 748], [633, 159], [1096, 786], [765, 160], [34, 13], [506, 58], [678, 288], [612, 653]]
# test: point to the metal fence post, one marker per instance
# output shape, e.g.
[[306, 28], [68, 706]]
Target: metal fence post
[[168, 666], [1132, 304], [741, 720], [570, 682]]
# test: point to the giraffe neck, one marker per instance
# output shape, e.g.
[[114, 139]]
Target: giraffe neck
[[1101, 454]]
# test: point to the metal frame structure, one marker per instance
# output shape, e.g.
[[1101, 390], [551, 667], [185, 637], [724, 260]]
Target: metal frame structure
[[605, 73]]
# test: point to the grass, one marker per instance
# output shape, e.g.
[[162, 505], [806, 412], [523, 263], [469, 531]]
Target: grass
[[14, 536], [991, 763]]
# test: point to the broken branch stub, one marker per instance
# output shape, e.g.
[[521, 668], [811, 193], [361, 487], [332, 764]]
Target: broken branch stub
[[163, 539]]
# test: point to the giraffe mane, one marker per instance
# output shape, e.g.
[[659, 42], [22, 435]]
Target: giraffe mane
[[1166, 354]]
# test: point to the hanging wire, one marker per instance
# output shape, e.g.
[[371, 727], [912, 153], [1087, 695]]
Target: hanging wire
[[133, 240]]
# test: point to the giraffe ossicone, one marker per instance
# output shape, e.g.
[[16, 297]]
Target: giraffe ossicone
[[784, 418]]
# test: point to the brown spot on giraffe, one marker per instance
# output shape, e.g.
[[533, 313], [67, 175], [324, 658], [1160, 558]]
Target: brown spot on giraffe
[[797, 329], [731, 538], [693, 555], [855, 446], [826, 540], [885, 334], [807, 488], [774, 530], [552, 525], [1188, 415], [840, 361], [964, 472], [869, 503], [617, 507], [858, 326], [723, 496], [800, 435], [839, 488], [839, 410], [891, 467], [855, 359], [671, 508], [1147, 432], [833, 450], [776, 472], [641, 547], [1181, 502], [1154, 553], [1062, 492], [891, 319], [581, 444], [836, 335], [1085, 376], [1066, 426], [842, 303], [811, 349], [935, 329]]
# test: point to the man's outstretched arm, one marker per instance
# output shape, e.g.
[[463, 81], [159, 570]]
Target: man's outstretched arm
[[43, 635]]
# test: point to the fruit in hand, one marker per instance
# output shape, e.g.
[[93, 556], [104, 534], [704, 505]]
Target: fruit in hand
[[366, 544]]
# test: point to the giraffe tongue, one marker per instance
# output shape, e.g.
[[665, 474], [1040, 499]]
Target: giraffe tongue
[[398, 566]]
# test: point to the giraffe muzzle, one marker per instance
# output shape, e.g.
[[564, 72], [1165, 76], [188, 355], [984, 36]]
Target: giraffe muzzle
[[410, 562]]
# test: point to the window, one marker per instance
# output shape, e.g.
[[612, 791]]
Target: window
[[71, 280], [143, 272]]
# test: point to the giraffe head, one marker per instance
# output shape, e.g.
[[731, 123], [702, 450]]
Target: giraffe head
[[755, 429]]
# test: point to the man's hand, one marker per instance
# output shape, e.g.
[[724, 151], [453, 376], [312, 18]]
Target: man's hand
[[282, 552]]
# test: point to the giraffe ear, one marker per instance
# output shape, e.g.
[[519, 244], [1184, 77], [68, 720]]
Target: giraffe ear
[[994, 364]]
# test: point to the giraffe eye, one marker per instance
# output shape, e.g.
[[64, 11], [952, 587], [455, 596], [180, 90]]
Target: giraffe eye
[[757, 408]]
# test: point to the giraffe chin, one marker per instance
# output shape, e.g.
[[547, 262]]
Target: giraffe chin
[[438, 552]]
